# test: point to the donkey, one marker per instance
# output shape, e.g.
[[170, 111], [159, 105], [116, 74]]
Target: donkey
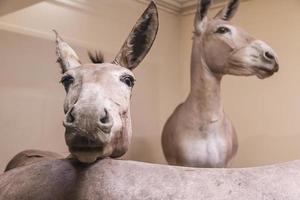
[[198, 133], [122, 179], [97, 105], [29, 157]]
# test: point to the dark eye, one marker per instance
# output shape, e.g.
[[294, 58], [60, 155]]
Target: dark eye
[[128, 80], [222, 30], [67, 81]]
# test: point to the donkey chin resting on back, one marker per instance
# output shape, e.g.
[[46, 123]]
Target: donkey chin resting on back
[[97, 109], [97, 104], [198, 133]]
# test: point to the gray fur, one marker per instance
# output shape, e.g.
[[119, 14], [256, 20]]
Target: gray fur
[[31, 156], [127, 180]]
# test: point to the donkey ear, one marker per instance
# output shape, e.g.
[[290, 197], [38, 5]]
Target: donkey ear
[[201, 15], [140, 39], [229, 11], [67, 58]]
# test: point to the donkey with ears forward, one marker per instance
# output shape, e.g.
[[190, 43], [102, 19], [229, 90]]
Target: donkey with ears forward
[[198, 133]]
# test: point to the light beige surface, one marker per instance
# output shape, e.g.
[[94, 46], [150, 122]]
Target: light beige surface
[[265, 113]]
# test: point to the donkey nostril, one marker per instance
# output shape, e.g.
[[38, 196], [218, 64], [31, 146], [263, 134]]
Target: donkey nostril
[[106, 122], [70, 118], [269, 55], [104, 119], [276, 68]]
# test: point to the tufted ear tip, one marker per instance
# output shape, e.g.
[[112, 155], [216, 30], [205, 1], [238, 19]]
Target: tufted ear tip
[[229, 11], [57, 36], [67, 57], [152, 4], [140, 39], [56, 33], [201, 15], [152, 7]]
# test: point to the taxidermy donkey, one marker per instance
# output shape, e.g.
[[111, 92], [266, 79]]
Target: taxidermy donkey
[[97, 104], [29, 157], [110, 179], [198, 133], [119, 179]]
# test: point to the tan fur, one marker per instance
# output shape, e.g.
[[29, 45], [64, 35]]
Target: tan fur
[[198, 133], [30, 157], [128, 180], [97, 104]]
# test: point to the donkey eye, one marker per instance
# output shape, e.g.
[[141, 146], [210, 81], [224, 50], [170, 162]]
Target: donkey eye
[[67, 81], [222, 30], [128, 80]]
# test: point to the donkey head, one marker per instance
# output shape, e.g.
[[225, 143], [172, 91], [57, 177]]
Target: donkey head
[[97, 104], [228, 49]]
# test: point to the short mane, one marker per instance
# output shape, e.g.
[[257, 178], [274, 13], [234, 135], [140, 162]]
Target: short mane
[[96, 57]]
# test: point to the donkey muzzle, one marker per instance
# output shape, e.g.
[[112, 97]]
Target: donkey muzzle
[[267, 56], [88, 132]]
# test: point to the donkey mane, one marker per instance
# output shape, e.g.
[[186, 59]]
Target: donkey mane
[[96, 57]]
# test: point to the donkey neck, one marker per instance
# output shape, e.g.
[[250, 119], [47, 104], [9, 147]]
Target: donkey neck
[[204, 97]]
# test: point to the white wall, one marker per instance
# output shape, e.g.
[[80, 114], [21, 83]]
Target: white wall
[[30, 98]]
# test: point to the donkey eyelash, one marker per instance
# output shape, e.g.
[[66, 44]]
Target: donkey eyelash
[[128, 80], [66, 78], [223, 30], [67, 81]]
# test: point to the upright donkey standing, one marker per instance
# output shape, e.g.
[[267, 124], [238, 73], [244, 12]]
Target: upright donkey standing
[[198, 133]]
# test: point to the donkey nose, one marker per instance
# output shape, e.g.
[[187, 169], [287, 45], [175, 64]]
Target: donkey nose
[[105, 121], [69, 118], [269, 56], [276, 67]]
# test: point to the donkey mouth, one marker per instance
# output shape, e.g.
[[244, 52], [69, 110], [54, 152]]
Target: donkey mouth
[[84, 143], [265, 72], [86, 149], [86, 154]]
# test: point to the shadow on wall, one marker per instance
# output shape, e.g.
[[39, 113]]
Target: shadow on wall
[[9, 6], [260, 149]]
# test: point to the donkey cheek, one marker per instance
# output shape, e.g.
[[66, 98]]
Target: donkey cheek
[[121, 140]]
